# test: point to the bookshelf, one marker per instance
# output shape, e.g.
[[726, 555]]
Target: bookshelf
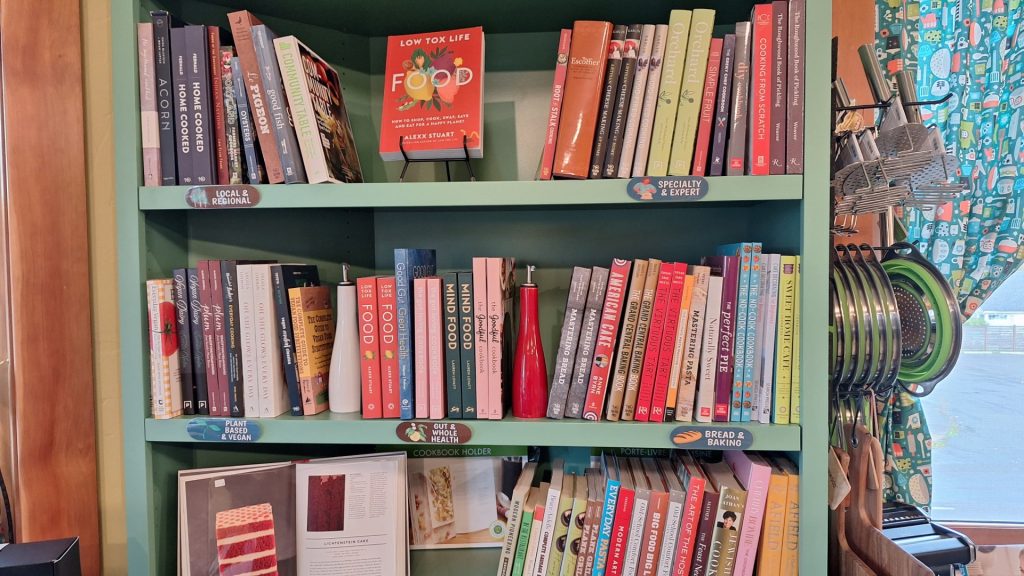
[[553, 225]]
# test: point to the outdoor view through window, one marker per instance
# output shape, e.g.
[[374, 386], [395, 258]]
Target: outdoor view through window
[[974, 415]]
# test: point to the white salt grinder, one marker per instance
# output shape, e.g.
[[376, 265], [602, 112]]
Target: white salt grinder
[[343, 382]]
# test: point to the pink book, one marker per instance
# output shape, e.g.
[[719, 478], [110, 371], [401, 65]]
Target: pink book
[[483, 388], [668, 343], [707, 109], [435, 348], [654, 336], [557, 89], [495, 318], [754, 473], [419, 347]]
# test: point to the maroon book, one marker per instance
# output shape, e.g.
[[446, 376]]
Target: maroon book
[[209, 346], [220, 334], [220, 139], [728, 267], [779, 132], [795, 96]]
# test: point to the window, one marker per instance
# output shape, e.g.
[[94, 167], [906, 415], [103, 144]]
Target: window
[[975, 416]]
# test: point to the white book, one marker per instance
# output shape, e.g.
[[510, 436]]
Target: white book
[[771, 313], [271, 386], [755, 401], [673, 518], [706, 387], [641, 500], [636, 101], [165, 372], [643, 138], [530, 564], [515, 518], [691, 352], [247, 341], [550, 516]]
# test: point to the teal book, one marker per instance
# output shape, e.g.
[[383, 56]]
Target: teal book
[[752, 353], [410, 263], [452, 361]]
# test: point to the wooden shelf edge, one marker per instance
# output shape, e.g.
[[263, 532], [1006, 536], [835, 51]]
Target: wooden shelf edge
[[480, 194]]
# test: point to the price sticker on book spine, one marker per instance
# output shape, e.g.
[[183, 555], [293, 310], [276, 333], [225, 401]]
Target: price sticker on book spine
[[433, 432], [237, 196], [236, 430], [712, 438], [667, 188]]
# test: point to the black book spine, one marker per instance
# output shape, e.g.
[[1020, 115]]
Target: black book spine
[[282, 311], [467, 345], [232, 338], [181, 319], [182, 116], [706, 527], [617, 131], [721, 132], [452, 360], [164, 95], [604, 116], [195, 324], [232, 139], [201, 117], [250, 145]]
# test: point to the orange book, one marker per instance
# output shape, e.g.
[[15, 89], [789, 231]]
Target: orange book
[[313, 327], [583, 83]]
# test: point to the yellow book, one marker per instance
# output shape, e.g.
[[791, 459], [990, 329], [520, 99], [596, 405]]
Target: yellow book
[[690, 92], [784, 340], [313, 326], [790, 564], [794, 395], [773, 528], [668, 92]]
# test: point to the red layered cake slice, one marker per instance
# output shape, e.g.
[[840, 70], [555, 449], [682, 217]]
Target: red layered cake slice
[[245, 541]]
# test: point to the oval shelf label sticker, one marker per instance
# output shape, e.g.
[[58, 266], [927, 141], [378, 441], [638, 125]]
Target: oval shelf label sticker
[[667, 188], [712, 438], [237, 196], [224, 430], [433, 432]]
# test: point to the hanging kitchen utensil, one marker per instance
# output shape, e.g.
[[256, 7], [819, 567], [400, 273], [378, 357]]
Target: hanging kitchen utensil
[[848, 349], [861, 319], [880, 331], [894, 334]]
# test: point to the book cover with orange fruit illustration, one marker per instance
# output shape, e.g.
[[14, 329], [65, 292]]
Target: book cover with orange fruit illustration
[[433, 95]]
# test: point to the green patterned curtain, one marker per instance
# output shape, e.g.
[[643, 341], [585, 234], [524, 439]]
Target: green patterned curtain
[[972, 49]]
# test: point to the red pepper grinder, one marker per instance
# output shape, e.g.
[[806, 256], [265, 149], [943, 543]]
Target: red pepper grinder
[[530, 372]]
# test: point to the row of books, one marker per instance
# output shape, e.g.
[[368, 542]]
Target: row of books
[[715, 342], [674, 516], [266, 109], [461, 332], [239, 338], [669, 99]]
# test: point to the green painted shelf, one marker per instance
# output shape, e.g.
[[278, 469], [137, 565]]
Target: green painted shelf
[[329, 428], [463, 194]]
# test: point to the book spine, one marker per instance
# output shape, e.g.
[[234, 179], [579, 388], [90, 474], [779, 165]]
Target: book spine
[[654, 530], [624, 353], [689, 92], [232, 347], [584, 79], [287, 144], [419, 348], [573, 542], [794, 395], [499, 295], [539, 513], [241, 31], [619, 541], [702, 148], [247, 341], [604, 534], [751, 350], [636, 101], [560, 535], [724, 542], [467, 345], [555, 109], [164, 96], [272, 389], [209, 337], [689, 526], [387, 303], [705, 404], [650, 104], [547, 528], [795, 89], [667, 357], [195, 316], [588, 541], [182, 116], [159, 367], [769, 555], [636, 360], [755, 475], [673, 526], [784, 341], [607, 108], [623, 92], [587, 342], [245, 126], [762, 299], [369, 347], [522, 543], [309, 151], [702, 547], [726, 343], [721, 131], [404, 315], [149, 121], [480, 337], [285, 333], [743, 253], [302, 359], [675, 375], [696, 318], [201, 116], [435, 350], [779, 82], [636, 532], [572, 324], [220, 336], [737, 148], [761, 65], [452, 345], [608, 330], [668, 92], [516, 514], [217, 110], [652, 352], [183, 328], [232, 139], [771, 315]]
